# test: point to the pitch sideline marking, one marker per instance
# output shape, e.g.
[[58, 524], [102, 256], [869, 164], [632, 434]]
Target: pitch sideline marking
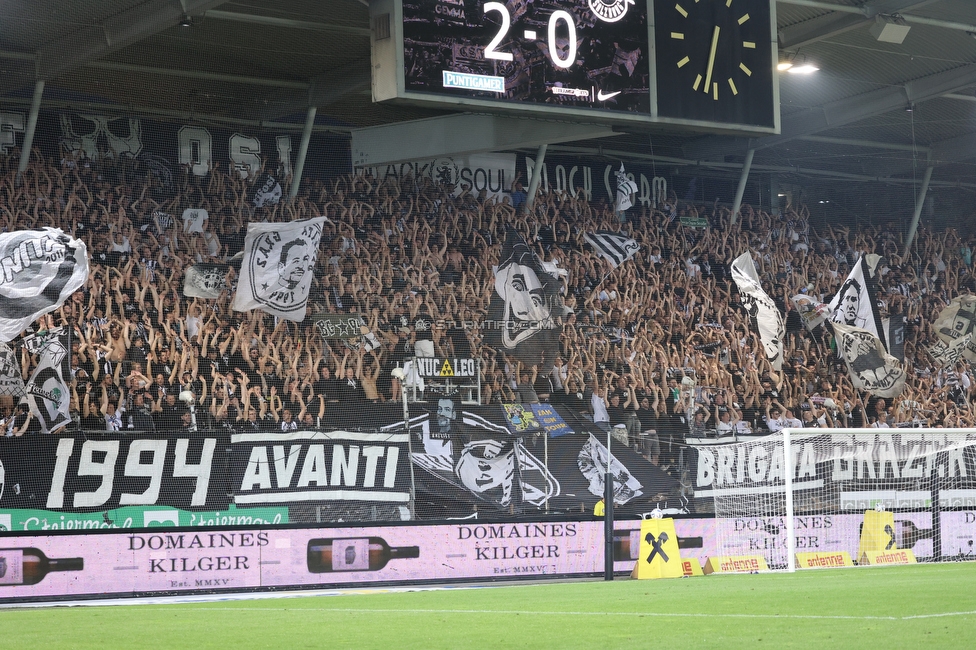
[[306, 610]]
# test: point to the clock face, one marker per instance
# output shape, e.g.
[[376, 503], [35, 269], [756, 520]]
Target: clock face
[[714, 61]]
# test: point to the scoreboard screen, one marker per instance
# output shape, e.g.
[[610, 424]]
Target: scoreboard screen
[[589, 54], [705, 64]]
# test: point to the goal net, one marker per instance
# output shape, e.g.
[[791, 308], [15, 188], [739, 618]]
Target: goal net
[[817, 501]]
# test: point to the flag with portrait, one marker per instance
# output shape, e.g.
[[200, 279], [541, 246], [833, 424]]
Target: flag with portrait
[[871, 368], [812, 312], [39, 270], [765, 316], [526, 307], [855, 305], [277, 267]]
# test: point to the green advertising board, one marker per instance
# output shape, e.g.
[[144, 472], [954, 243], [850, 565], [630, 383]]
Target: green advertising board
[[694, 222], [139, 517]]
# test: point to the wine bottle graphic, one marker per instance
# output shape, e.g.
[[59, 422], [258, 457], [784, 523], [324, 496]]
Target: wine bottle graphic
[[354, 554], [626, 544], [28, 566], [911, 534]]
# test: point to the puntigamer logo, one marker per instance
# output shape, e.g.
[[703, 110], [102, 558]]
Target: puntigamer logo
[[610, 11]]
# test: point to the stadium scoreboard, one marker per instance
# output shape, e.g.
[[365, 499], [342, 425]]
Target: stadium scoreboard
[[707, 64]]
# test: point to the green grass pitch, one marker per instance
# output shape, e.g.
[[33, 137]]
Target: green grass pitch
[[893, 607]]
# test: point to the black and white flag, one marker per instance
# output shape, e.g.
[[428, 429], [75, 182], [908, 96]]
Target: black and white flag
[[39, 270], [871, 367], [626, 188], [205, 280], [47, 391], [956, 320], [267, 191], [613, 247], [11, 382], [763, 313], [855, 304], [812, 312], [947, 354], [276, 271], [525, 307]]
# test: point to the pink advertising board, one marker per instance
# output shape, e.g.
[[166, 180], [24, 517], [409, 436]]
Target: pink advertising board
[[112, 564]]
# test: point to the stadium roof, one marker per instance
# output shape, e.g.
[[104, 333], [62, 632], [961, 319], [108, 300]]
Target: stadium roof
[[874, 109]]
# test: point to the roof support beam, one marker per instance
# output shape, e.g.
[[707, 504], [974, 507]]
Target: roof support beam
[[741, 189], [35, 108], [197, 74], [329, 88], [845, 111], [869, 10], [918, 212], [946, 152], [112, 33], [302, 152], [842, 19], [288, 23], [458, 135]]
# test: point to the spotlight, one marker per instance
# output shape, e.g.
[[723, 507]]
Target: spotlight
[[186, 21], [806, 68]]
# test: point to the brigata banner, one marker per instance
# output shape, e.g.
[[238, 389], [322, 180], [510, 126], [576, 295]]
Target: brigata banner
[[320, 466], [839, 472]]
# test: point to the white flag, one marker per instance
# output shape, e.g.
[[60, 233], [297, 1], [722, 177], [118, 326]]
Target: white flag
[[871, 367], [276, 271], [947, 354], [39, 269], [855, 304], [47, 391], [613, 247], [11, 382], [765, 317], [205, 280], [957, 320], [812, 312], [625, 190]]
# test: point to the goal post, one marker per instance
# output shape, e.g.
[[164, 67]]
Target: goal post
[[807, 490]]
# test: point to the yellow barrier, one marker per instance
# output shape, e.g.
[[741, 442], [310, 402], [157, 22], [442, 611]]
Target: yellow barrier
[[877, 532], [658, 556]]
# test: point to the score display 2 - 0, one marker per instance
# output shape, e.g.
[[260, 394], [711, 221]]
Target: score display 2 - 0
[[567, 53]]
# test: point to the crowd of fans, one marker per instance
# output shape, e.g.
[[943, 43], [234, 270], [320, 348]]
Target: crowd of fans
[[661, 343]]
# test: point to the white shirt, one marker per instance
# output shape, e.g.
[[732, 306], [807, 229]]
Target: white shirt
[[193, 219], [600, 413]]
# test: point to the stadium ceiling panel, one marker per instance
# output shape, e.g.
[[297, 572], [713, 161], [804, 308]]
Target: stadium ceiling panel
[[258, 61]]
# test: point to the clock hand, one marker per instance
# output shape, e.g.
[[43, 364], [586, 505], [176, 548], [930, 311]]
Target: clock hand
[[711, 60]]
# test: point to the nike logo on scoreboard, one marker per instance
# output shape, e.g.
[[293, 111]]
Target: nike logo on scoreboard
[[602, 96]]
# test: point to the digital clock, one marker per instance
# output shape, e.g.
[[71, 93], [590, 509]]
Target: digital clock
[[705, 64], [571, 53]]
